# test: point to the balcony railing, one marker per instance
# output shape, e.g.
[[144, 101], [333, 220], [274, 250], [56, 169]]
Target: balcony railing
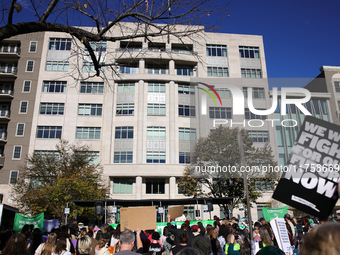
[[3, 136], [9, 70], [4, 113], [6, 92]]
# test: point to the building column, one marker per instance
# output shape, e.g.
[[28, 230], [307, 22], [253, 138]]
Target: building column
[[141, 66], [172, 67], [139, 129], [172, 123], [139, 187], [172, 185]]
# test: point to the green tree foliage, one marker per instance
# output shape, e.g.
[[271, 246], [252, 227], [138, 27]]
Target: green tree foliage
[[221, 149], [49, 181]]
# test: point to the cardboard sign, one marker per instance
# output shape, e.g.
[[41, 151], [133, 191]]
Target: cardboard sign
[[309, 182], [281, 233], [176, 211], [272, 213], [143, 218]]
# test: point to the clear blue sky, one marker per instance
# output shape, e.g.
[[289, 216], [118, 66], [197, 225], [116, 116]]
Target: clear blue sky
[[299, 36]]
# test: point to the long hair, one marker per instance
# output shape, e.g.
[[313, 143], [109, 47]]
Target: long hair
[[61, 245], [265, 237], [16, 245], [322, 240], [49, 246]]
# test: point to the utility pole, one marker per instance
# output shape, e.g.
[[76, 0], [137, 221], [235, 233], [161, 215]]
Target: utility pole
[[245, 184]]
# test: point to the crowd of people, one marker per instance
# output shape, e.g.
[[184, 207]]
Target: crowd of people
[[223, 237]]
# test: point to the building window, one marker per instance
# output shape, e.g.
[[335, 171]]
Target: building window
[[90, 109], [219, 113], [155, 185], [52, 108], [223, 92], [47, 154], [156, 109], [27, 86], [155, 69], [59, 44], [49, 132], [187, 134], [216, 50], [251, 73], [184, 157], [88, 66], [185, 70], [9, 48], [33, 47], [251, 116], [156, 132], [122, 185], [60, 66], [98, 46], [29, 66], [218, 71], [156, 87], [155, 157], [92, 87], [186, 89], [123, 157], [54, 86], [249, 52], [256, 92], [259, 136], [8, 68], [127, 87], [124, 133], [13, 177], [88, 133], [125, 109], [186, 110], [20, 129], [23, 106], [337, 86], [131, 69], [17, 152]]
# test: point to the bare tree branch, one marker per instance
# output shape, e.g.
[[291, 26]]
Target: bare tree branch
[[49, 10], [10, 14]]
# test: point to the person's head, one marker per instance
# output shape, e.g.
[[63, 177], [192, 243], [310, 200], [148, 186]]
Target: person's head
[[16, 245], [89, 233], [185, 227], [61, 245], [208, 228], [287, 217], [183, 238], [105, 238], [185, 213], [230, 238], [265, 237], [322, 240], [155, 235], [233, 219], [257, 227], [84, 244], [127, 240], [212, 234], [262, 221], [83, 231], [165, 231]]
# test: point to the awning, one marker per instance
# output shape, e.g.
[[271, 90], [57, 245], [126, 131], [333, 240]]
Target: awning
[[153, 202]]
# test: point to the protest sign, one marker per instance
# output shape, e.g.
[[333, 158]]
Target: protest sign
[[281, 234], [176, 211], [143, 218], [310, 181], [272, 213], [49, 224], [21, 220]]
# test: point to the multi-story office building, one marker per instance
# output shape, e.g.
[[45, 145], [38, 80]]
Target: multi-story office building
[[143, 117]]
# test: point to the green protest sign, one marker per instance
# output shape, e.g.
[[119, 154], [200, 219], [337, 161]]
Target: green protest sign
[[21, 220], [272, 213]]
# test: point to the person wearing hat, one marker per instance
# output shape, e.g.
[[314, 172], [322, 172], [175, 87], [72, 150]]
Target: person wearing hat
[[289, 221], [262, 221], [155, 248], [101, 246]]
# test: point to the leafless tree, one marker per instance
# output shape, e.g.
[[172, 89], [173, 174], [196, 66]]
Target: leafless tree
[[93, 20]]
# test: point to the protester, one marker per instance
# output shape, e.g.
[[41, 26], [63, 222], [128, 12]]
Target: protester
[[16, 245], [48, 247], [127, 242], [267, 244], [60, 248], [85, 245], [232, 247], [322, 240], [100, 248], [182, 243], [155, 247]]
